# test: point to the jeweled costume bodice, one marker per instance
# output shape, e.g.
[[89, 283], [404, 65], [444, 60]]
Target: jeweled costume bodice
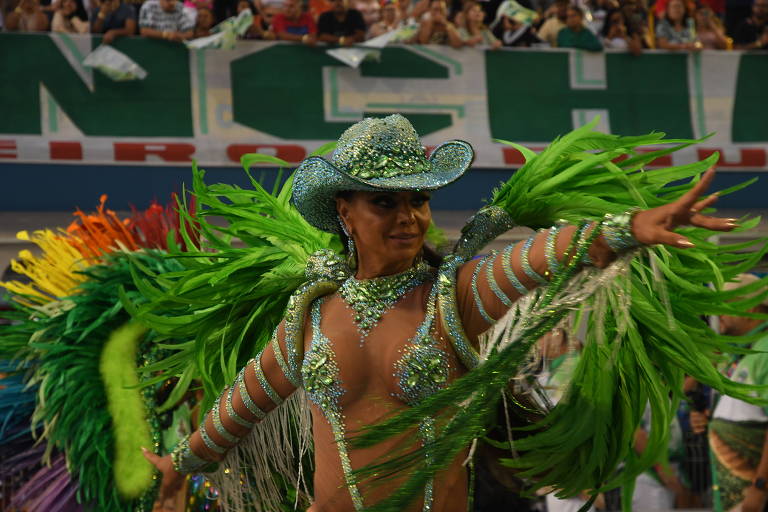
[[421, 368]]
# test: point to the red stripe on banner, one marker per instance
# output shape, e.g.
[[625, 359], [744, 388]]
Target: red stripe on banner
[[8, 149], [289, 152], [66, 150], [138, 152], [514, 157], [748, 158]]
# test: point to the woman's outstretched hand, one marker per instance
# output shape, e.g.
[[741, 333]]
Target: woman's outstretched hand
[[171, 482], [655, 226]]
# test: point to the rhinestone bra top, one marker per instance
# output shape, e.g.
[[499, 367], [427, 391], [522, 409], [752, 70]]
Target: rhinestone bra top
[[422, 369]]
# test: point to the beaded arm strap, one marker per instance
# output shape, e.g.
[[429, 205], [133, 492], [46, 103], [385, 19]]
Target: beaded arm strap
[[476, 294], [187, 461]]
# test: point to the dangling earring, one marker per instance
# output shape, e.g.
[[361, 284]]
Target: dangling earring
[[351, 251]]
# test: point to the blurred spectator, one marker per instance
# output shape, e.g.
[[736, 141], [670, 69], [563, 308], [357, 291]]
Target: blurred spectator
[[390, 19], [28, 16], [513, 33], [437, 29], [204, 22], [660, 7], [164, 19], [675, 31], [616, 35], [113, 19], [370, 9], [222, 9], [293, 24], [736, 11], [268, 13], [474, 32], [598, 11], [709, 30], [738, 430], [258, 29], [191, 8], [70, 17], [318, 7], [636, 20], [555, 20], [341, 25], [575, 34], [752, 33]]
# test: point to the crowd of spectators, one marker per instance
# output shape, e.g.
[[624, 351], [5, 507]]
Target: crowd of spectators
[[631, 25]]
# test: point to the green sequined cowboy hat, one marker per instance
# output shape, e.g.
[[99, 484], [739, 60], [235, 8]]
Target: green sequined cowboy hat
[[374, 154]]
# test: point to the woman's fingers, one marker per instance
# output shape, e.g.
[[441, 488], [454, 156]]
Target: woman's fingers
[[689, 198], [151, 457], [705, 203], [713, 223], [673, 239]]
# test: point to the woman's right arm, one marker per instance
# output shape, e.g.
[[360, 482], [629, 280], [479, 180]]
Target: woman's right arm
[[262, 384]]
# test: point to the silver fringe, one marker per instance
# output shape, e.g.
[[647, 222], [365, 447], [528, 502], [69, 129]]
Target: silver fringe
[[276, 445]]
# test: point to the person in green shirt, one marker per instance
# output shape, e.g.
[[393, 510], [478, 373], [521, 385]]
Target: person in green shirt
[[738, 431], [575, 35]]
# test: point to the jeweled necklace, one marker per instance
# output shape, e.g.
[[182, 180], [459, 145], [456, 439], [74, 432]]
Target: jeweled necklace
[[371, 298]]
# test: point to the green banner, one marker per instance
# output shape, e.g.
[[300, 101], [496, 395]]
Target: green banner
[[283, 99]]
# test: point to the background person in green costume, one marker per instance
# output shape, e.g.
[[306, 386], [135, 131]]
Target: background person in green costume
[[737, 432]]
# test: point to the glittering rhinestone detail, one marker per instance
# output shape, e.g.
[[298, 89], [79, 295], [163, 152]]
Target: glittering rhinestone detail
[[550, 250], [266, 386], [371, 298], [449, 312], [423, 368], [233, 414], [526, 264], [509, 272], [617, 231], [282, 363], [324, 388], [476, 294], [246, 396], [210, 443], [381, 148], [491, 279], [218, 425]]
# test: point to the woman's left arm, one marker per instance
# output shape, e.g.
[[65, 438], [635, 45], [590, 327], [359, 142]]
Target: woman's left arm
[[488, 287]]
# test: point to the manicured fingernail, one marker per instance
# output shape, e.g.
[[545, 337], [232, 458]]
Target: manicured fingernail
[[686, 243], [143, 449]]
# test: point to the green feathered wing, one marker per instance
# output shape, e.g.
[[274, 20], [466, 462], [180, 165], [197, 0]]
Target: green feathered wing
[[221, 308], [83, 353], [645, 330]]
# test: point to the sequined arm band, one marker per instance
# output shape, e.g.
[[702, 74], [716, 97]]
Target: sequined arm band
[[526, 264], [217, 423], [185, 461], [617, 231], [233, 414], [492, 284], [246, 396], [476, 294], [581, 236], [550, 251], [210, 443], [506, 264], [292, 378], [268, 389]]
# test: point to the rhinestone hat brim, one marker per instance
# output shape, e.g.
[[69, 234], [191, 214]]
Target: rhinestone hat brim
[[317, 181]]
